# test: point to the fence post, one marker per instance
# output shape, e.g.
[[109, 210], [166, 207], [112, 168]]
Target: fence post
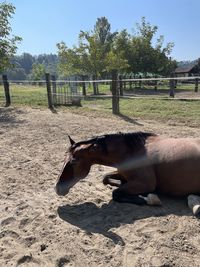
[[94, 85], [130, 82], [124, 82], [6, 90], [83, 86], [135, 83], [48, 84], [53, 78], [171, 83], [155, 85], [115, 94], [196, 85], [120, 86], [140, 82]]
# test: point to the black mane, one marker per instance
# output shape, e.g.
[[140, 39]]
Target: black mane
[[132, 140]]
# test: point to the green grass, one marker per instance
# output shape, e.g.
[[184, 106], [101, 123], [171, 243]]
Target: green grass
[[153, 108], [171, 110], [134, 87], [103, 89], [27, 95], [162, 109]]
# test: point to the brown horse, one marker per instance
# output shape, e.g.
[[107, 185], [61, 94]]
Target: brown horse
[[145, 163]]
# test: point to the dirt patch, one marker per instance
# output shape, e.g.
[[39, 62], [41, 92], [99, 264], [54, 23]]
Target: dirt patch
[[85, 228]]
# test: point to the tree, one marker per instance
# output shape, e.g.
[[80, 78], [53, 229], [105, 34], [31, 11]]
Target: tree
[[103, 37], [26, 61], [70, 61], [22, 65], [37, 72], [89, 57], [115, 60], [8, 42], [100, 52], [146, 57], [93, 53], [102, 31], [16, 74], [123, 43]]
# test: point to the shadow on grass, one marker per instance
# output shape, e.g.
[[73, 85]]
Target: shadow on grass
[[128, 119]]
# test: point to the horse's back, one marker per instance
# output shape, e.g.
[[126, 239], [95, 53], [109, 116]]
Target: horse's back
[[177, 165]]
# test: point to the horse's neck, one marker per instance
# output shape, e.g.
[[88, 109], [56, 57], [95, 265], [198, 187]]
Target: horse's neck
[[105, 162], [106, 159], [113, 156], [114, 152]]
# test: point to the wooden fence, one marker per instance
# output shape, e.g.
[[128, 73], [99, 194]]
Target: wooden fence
[[70, 92], [58, 92]]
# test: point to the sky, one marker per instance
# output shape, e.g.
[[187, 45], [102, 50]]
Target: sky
[[44, 23]]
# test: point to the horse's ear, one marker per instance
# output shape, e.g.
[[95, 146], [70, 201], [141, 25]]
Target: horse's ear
[[72, 142], [84, 147]]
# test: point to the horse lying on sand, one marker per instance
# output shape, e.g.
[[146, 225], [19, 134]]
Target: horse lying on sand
[[146, 164]]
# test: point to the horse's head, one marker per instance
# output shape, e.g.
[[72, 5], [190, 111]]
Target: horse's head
[[76, 167]]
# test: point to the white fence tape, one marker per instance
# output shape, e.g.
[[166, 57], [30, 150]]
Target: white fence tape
[[108, 80]]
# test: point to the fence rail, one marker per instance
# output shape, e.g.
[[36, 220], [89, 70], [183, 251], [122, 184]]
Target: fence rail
[[110, 80], [71, 91]]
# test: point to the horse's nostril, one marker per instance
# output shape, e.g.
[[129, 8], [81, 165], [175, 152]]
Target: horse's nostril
[[61, 189], [58, 189]]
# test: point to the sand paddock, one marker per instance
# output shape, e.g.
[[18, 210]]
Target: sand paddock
[[85, 228]]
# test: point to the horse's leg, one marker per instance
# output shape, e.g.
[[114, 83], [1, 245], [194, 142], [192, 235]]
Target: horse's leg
[[138, 191], [141, 199], [194, 203], [114, 179], [122, 197]]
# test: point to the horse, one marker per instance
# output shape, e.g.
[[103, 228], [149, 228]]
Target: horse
[[146, 164]]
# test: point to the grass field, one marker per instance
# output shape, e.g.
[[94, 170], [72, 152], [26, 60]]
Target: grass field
[[174, 111], [148, 107], [132, 86], [27, 95]]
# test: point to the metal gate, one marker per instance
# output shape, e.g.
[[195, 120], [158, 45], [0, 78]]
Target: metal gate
[[66, 92]]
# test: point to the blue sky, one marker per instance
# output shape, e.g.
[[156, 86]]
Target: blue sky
[[43, 23]]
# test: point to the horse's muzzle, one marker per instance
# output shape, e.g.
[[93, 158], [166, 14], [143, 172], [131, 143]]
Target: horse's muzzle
[[62, 188]]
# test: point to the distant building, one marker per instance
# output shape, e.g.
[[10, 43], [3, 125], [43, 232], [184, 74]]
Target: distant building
[[186, 71]]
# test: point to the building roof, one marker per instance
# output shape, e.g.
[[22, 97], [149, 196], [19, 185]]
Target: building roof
[[185, 69]]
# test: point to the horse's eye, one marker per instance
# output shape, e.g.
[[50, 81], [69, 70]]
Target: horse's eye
[[73, 160]]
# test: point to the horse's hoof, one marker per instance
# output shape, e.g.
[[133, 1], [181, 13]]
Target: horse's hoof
[[194, 204], [153, 200], [196, 209]]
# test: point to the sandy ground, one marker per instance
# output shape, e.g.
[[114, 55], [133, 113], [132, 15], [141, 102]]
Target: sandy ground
[[85, 228]]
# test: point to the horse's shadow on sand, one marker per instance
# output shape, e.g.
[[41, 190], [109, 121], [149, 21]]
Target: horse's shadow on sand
[[94, 219]]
